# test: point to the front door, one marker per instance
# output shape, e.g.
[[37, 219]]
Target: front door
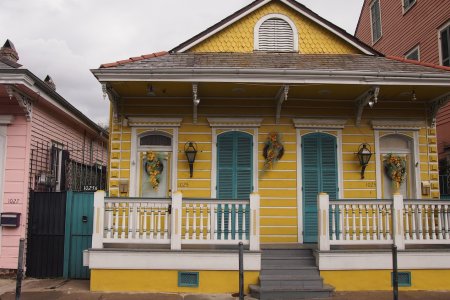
[[319, 165]]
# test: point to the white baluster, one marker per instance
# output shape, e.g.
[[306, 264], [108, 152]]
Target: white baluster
[[131, 215], [413, 223], [245, 226], [158, 237], [122, 234], [116, 223], [439, 219], [194, 222], [433, 232], [374, 223], [333, 222], [166, 221], [426, 227], [360, 214], [222, 231], [367, 222], [236, 221], [145, 231], [347, 221], [202, 209], [380, 231], [353, 222], [211, 222], [407, 221], [419, 222], [186, 235], [445, 222], [388, 218], [110, 221], [152, 221]]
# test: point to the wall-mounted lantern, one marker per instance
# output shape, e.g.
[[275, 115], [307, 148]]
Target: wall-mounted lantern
[[364, 155], [190, 149]]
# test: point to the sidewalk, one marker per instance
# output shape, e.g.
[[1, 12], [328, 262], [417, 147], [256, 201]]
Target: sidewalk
[[59, 289]]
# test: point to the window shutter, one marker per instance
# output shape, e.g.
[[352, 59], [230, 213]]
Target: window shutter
[[329, 166], [276, 35], [311, 179], [243, 165], [225, 166], [376, 21], [319, 175]]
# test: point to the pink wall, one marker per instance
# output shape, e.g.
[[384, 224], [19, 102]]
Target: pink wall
[[15, 197], [47, 125]]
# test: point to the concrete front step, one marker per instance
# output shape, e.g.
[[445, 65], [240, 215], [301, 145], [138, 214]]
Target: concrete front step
[[303, 261], [299, 281], [306, 271], [282, 293], [287, 252]]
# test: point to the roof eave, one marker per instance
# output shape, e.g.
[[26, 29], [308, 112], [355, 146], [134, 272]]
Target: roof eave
[[272, 76]]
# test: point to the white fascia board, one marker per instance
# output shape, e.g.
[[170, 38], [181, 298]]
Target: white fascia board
[[365, 51], [368, 260], [171, 260], [408, 79], [16, 78], [237, 18]]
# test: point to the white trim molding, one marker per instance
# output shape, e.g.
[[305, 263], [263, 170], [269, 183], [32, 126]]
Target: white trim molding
[[169, 260], [6, 119], [275, 16], [235, 122], [382, 260], [393, 124], [156, 122], [316, 123]]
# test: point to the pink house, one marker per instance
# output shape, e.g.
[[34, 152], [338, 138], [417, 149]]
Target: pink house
[[40, 133]]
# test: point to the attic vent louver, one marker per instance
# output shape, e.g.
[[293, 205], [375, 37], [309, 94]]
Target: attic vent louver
[[276, 35]]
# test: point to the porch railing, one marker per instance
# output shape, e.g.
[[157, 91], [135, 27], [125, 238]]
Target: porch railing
[[372, 222], [175, 221]]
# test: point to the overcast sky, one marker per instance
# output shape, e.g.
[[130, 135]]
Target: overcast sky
[[67, 38]]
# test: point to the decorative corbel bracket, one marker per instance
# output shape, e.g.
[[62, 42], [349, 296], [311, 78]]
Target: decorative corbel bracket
[[195, 102], [437, 104], [113, 97], [280, 98], [24, 101], [369, 96]]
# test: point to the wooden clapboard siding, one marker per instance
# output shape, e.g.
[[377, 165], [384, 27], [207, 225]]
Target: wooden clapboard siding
[[277, 187], [15, 187]]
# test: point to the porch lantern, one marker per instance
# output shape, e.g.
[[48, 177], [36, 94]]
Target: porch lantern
[[190, 149], [364, 155]]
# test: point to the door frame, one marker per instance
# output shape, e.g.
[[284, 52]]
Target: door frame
[[135, 148], [300, 132]]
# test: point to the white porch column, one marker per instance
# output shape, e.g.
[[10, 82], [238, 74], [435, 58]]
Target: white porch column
[[254, 221], [175, 222], [323, 205], [397, 222], [99, 216]]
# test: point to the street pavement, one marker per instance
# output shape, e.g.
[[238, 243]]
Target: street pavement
[[59, 289]]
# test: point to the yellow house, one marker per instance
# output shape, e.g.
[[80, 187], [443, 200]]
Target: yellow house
[[258, 130]]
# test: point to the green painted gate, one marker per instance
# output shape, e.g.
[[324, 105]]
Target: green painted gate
[[78, 233], [320, 174]]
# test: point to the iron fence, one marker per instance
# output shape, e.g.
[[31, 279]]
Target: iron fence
[[62, 166]]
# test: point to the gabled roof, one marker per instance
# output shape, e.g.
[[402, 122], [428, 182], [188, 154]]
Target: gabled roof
[[300, 8]]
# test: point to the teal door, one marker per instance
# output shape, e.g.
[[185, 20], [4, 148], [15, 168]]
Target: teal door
[[234, 179], [78, 237], [320, 174]]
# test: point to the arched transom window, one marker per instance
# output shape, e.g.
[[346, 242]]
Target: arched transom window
[[276, 33]]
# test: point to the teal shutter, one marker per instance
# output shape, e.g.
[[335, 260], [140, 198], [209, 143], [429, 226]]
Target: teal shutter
[[319, 175], [234, 176]]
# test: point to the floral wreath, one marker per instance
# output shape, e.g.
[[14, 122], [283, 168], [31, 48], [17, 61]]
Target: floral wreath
[[153, 166], [395, 167], [273, 150]]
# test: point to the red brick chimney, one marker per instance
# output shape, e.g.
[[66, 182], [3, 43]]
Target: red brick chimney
[[9, 52]]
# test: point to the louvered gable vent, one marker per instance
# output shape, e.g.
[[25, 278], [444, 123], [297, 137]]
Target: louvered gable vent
[[276, 35]]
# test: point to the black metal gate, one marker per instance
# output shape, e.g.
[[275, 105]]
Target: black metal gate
[[46, 226]]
